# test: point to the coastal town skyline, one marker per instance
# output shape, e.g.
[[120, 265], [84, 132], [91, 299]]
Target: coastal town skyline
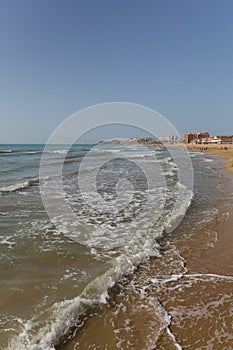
[[206, 138], [202, 137]]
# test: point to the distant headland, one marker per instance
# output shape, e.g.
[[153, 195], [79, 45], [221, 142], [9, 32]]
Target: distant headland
[[189, 138]]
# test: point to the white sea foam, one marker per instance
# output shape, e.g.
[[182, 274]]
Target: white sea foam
[[64, 315], [209, 276], [2, 151], [58, 151], [19, 185], [123, 242], [172, 278], [171, 335], [22, 185], [208, 160], [196, 276], [7, 241], [107, 150]]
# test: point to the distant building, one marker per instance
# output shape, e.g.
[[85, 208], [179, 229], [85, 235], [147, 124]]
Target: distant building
[[217, 140], [204, 138], [226, 139], [189, 137], [203, 135], [196, 138]]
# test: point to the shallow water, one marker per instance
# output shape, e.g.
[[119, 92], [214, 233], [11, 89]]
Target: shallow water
[[55, 276]]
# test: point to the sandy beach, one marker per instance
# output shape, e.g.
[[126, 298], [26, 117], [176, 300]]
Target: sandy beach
[[116, 175], [198, 295], [177, 296], [201, 304], [200, 301], [219, 151], [214, 149]]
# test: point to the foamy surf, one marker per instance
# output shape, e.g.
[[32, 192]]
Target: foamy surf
[[70, 313], [65, 315], [19, 185], [109, 244], [3, 151]]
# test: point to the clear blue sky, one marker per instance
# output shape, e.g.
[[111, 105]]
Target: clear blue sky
[[56, 57]]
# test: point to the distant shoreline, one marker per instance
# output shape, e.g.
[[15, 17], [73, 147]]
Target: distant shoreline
[[214, 149], [217, 150]]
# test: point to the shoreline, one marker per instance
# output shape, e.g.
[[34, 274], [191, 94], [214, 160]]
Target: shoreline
[[209, 274], [215, 150], [204, 281]]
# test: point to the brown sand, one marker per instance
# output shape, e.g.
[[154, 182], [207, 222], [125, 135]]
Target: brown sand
[[214, 149], [217, 150], [200, 303], [202, 308]]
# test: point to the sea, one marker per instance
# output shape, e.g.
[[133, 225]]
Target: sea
[[90, 237]]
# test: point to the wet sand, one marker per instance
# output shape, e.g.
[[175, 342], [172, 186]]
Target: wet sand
[[219, 151], [196, 300], [201, 303], [214, 149]]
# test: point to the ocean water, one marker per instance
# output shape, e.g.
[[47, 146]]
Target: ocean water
[[58, 271]]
